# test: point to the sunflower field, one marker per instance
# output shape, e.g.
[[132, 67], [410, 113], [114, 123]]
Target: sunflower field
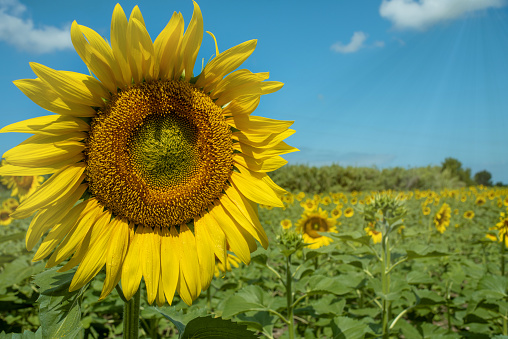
[[360, 264]]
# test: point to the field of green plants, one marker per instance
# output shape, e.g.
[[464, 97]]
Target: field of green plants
[[418, 263]]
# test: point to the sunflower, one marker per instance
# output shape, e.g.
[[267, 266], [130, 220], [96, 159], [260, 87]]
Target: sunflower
[[221, 268], [5, 217], [501, 228], [373, 233], [10, 204], [313, 222], [309, 205], [469, 215], [480, 200], [442, 218], [336, 213], [349, 212], [21, 186], [300, 196], [426, 210], [148, 161], [286, 224]]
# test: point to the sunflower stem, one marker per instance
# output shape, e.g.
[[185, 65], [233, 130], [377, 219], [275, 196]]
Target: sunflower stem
[[385, 280], [131, 317], [289, 295], [503, 249]]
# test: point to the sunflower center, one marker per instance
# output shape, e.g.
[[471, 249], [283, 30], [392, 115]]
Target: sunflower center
[[315, 225], [24, 182], [4, 215], [159, 154]]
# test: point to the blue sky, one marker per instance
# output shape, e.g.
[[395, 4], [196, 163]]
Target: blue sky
[[385, 83]]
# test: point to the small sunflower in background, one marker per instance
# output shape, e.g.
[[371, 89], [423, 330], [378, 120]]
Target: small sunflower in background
[[311, 224], [300, 196], [426, 210], [286, 224], [309, 205], [349, 212], [442, 218], [5, 216], [373, 233], [480, 200], [230, 262], [336, 213], [143, 149], [469, 215], [21, 186], [10, 204]]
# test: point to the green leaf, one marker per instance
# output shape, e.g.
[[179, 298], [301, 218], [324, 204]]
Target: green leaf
[[14, 237], [352, 236], [418, 277], [347, 328], [251, 297], [320, 284], [179, 326], [60, 310], [424, 252], [493, 286], [25, 335], [208, 327]]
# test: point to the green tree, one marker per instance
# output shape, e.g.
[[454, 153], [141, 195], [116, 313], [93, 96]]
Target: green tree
[[483, 178]]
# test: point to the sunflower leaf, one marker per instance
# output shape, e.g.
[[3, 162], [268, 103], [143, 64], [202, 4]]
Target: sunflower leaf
[[208, 327]]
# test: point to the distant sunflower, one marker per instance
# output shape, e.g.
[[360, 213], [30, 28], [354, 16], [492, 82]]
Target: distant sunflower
[[21, 186], [349, 212], [480, 200], [426, 210], [469, 215], [11, 204], [286, 224], [373, 233], [5, 217], [313, 222], [336, 213], [309, 205], [167, 165], [221, 268], [442, 218]]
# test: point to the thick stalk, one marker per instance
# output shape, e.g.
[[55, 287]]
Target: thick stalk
[[289, 295], [131, 317], [385, 280], [503, 250]]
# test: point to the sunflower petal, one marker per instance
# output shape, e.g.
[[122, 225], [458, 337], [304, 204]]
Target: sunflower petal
[[131, 269], [242, 105], [191, 42], [262, 140], [264, 153], [170, 262], [223, 64], [119, 43], [189, 264], [8, 169], [167, 45], [251, 185], [48, 125], [76, 87], [151, 263], [206, 255], [141, 57], [255, 124], [43, 95], [47, 218], [56, 187], [234, 237], [216, 234], [115, 255], [266, 165]]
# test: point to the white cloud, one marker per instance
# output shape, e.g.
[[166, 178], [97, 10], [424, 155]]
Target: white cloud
[[22, 33], [379, 44], [421, 14], [354, 45]]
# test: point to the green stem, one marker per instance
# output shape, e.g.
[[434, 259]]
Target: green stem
[[503, 250], [385, 280], [505, 325], [289, 295], [209, 298], [131, 317]]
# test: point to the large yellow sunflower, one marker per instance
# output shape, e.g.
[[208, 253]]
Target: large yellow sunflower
[[442, 218], [313, 222], [155, 171]]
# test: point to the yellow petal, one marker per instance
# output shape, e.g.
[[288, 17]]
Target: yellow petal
[[47, 218], [115, 255], [170, 263], [119, 43], [136, 14], [94, 60], [131, 269], [48, 125], [76, 87], [252, 186], [57, 186], [234, 237], [259, 153], [248, 212], [217, 236], [206, 256], [238, 78], [43, 95], [167, 45], [8, 169], [255, 124], [266, 165], [223, 64], [191, 42], [95, 257], [189, 264], [276, 188], [264, 140], [243, 105], [79, 253], [44, 151], [253, 88], [151, 262], [76, 232], [141, 57], [160, 293], [61, 230]]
